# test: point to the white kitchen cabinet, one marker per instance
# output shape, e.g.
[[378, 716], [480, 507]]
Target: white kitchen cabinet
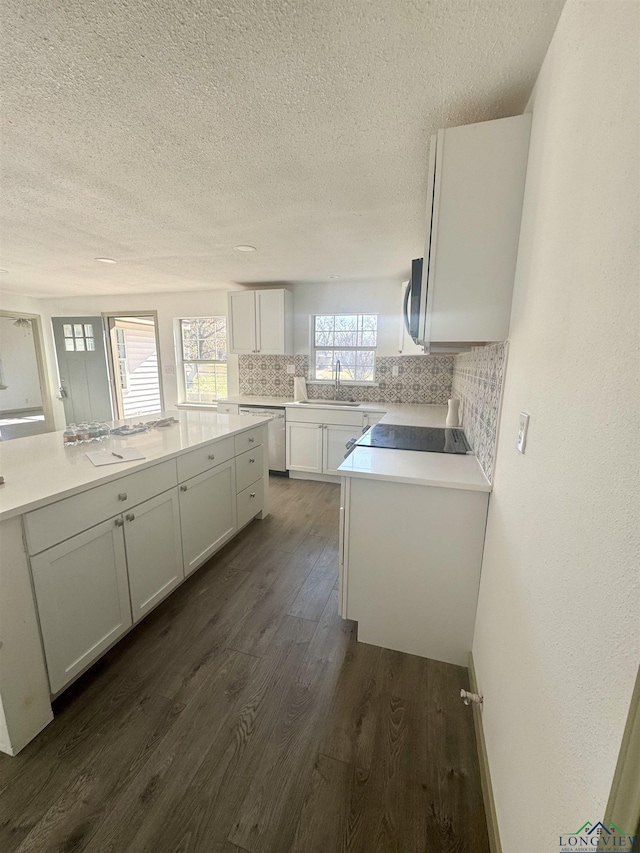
[[410, 558], [304, 447], [335, 446], [154, 551], [82, 596], [207, 513], [260, 322], [227, 408], [475, 189]]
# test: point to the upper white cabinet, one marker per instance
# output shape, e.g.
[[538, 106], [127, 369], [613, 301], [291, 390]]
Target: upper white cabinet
[[260, 322], [474, 206]]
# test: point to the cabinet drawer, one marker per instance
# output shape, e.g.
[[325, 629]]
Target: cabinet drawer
[[203, 458], [250, 502], [227, 408], [247, 440], [249, 468], [313, 415], [61, 520]]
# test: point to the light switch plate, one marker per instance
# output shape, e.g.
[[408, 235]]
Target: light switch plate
[[291, 369], [522, 431]]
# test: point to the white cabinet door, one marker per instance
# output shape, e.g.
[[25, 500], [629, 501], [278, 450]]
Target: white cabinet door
[[304, 447], [154, 551], [335, 446], [270, 322], [82, 595], [242, 321], [207, 513]]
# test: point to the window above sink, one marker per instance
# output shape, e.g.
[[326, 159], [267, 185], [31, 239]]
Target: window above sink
[[349, 340]]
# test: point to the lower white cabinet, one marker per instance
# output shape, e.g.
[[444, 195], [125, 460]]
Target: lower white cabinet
[[208, 513], [154, 551], [304, 447], [82, 596], [318, 448], [335, 446]]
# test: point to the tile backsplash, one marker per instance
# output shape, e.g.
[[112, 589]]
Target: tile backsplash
[[420, 379], [477, 382]]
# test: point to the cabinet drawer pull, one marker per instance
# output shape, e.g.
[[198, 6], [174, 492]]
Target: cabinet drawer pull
[[252, 495], [122, 496], [211, 456], [251, 440], [183, 488], [119, 522], [252, 460], [130, 516]]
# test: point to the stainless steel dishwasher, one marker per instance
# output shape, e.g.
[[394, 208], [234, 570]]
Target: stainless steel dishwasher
[[277, 434]]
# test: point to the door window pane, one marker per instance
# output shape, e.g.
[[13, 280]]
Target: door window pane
[[79, 344], [77, 330], [69, 345], [88, 330], [67, 330], [91, 345]]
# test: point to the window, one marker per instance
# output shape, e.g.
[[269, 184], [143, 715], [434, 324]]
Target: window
[[349, 339], [78, 337], [203, 342]]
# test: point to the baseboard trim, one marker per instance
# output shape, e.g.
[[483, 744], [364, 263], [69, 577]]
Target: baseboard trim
[[483, 759], [311, 475]]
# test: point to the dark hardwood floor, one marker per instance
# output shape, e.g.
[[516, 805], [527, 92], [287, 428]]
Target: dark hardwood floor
[[242, 715]]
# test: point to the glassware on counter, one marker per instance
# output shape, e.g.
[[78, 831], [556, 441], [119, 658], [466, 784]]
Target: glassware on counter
[[104, 430], [83, 433], [69, 436], [94, 431]]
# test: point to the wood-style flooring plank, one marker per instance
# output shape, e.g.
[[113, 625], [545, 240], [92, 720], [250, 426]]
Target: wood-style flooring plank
[[270, 810], [322, 823]]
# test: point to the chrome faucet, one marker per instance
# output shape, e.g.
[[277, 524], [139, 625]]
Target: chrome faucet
[[338, 370]]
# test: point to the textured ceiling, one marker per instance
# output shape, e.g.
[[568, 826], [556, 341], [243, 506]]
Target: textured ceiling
[[162, 134]]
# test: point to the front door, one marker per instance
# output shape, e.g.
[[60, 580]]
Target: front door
[[82, 366]]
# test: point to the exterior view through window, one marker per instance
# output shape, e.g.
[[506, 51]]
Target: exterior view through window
[[350, 339], [204, 358]]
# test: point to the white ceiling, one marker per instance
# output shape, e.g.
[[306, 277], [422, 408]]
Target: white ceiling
[[162, 134]]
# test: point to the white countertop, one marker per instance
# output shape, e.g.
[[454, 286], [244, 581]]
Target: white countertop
[[412, 466], [39, 469], [248, 400]]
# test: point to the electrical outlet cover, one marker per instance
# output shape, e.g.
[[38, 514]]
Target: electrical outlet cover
[[291, 369], [522, 431], [394, 370]]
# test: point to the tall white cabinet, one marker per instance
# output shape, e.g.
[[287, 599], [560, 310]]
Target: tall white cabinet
[[260, 322], [475, 189]]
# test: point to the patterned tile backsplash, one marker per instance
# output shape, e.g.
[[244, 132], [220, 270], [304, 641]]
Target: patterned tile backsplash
[[477, 382], [420, 379]]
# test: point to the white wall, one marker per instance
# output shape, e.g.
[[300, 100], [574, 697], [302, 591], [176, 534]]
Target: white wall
[[557, 636], [19, 367], [383, 298]]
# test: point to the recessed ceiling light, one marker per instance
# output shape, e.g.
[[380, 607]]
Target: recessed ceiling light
[[333, 276], [245, 248], [106, 260]]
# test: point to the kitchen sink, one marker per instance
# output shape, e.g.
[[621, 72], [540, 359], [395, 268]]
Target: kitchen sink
[[328, 403]]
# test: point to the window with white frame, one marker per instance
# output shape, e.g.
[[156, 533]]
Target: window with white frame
[[203, 349], [346, 344]]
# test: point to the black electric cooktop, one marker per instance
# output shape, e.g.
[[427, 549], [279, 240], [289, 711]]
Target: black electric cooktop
[[429, 439]]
